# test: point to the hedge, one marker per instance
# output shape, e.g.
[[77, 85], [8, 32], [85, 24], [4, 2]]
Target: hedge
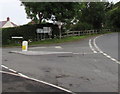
[[26, 31]]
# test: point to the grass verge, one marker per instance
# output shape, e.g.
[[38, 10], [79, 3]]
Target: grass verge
[[53, 41]]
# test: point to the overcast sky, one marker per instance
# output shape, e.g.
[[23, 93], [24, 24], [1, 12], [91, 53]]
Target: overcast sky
[[12, 9]]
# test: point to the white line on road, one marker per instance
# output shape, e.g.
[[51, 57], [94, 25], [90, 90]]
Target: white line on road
[[82, 53], [36, 47], [91, 47], [96, 45], [108, 56], [30, 78], [4, 66], [12, 70], [39, 52], [58, 47]]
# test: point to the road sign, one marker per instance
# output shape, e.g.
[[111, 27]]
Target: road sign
[[39, 30], [44, 30], [59, 24]]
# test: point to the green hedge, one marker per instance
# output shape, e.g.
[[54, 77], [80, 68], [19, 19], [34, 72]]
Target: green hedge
[[26, 31]]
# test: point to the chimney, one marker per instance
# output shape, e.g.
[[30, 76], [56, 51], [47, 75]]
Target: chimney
[[8, 19]]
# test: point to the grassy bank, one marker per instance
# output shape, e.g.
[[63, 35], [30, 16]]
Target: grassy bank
[[62, 40], [54, 41]]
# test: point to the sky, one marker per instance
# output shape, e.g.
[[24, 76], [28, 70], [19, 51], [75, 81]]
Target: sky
[[16, 12]]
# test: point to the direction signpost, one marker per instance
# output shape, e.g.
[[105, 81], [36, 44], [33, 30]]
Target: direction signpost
[[59, 26], [43, 32]]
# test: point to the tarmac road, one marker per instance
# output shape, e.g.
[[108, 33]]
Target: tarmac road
[[109, 44], [80, 70]]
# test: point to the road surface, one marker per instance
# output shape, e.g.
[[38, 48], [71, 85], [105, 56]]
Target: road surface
[[81, 67]]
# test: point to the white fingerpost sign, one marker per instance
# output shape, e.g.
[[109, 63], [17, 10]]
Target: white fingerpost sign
[[25, 46]]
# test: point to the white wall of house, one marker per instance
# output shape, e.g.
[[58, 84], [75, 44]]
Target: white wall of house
[[8, 24]]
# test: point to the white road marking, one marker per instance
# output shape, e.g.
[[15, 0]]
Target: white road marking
[[91, 47], [12, 70], [9, 73], [104, 54], [30, 78], [58, 47], [108, 56], [81, 53], [36, 47], [96, 45], [46, 53], [113, 59], [39, 52], [8, 68], [4, 66], [23, 75]]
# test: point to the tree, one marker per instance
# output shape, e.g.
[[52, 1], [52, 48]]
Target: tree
[[94, 14], [39, 10], [114, 16]]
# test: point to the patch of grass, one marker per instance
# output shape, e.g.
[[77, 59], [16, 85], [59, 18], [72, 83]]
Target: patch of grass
[[62, 40], [11, 45]]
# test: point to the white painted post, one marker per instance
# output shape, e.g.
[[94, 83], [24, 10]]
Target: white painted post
[[25, 46]]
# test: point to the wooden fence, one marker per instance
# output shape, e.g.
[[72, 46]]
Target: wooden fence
[[43, 36], [84, 32]]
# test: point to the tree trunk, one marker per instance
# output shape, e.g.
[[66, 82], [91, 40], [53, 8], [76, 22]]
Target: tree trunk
[[40, 15]]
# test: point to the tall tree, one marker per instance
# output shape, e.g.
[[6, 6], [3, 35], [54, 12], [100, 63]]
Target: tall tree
[[39, 10], [94, 14], [114, 16]]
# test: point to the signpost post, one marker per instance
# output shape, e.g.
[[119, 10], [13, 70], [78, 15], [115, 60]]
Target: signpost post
[[39, 31], [59, 26]]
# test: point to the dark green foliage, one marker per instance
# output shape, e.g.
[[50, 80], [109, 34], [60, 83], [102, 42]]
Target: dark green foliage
[[26, 31], [81, 26], [114, 17], [86, 15], [63, 11], [93, 14]]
